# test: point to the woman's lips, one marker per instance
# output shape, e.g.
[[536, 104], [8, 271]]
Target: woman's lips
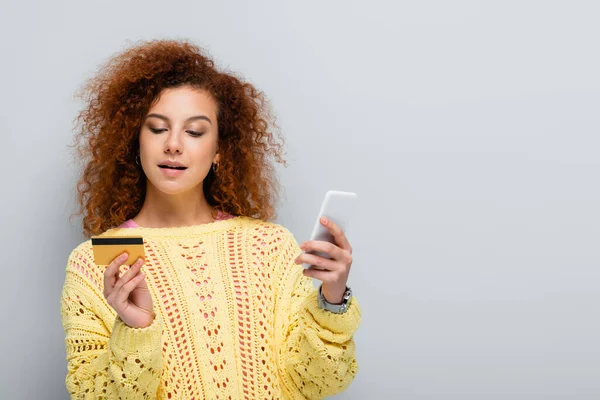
[[172, 171]]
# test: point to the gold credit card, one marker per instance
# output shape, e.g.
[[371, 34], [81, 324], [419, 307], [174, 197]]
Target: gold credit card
[[106, 249]]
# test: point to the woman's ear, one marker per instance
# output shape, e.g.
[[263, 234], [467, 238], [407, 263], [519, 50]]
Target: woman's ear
[[216, 158]]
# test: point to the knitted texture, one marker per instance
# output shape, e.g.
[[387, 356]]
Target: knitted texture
[[235, 319]]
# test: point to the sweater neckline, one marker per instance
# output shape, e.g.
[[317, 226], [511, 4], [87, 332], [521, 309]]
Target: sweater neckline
[[189, 230]]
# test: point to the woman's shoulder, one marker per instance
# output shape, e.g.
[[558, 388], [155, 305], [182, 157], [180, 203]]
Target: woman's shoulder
[[80, 259], [82, 248], [268, 228]]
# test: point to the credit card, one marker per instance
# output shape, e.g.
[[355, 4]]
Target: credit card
[[106, 249]]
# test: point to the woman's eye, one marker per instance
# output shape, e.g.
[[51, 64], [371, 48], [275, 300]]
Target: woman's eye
[[154, 130], [195, 134]]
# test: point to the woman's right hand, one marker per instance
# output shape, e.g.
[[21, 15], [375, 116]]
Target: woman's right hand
[[129, 294]]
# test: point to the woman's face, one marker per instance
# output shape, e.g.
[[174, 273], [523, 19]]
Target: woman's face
[[178, 140]]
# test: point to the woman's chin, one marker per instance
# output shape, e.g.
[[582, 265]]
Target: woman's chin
[[173, 188]]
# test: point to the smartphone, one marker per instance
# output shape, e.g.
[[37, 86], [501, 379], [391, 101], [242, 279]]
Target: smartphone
[[337, 207], [107, 248]]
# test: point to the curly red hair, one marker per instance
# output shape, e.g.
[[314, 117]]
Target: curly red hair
[[112, 187]]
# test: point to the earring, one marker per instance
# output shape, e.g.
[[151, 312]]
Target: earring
[[137, 159], [215, 167]]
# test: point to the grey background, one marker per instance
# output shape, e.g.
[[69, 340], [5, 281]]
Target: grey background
[[469, 129]]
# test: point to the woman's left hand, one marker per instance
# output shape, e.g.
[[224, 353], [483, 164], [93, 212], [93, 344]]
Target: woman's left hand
[[334, 271]]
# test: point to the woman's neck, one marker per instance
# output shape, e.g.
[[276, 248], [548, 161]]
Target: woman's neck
[[161, 210]]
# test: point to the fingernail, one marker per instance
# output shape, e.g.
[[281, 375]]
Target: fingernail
[[303, 246], [324, 221], [124, 256]]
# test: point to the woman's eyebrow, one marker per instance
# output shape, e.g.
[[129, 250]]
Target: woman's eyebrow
[[195, 117]]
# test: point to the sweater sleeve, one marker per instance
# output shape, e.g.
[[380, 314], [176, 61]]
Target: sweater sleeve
[[106, 358], [316, 350]]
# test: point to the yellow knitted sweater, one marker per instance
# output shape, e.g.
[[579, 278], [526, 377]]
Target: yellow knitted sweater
[[235, 319]]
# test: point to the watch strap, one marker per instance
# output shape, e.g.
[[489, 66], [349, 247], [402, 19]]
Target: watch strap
[[335, 308]]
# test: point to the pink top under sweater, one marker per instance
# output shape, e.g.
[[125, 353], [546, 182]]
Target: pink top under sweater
[[131, 223]]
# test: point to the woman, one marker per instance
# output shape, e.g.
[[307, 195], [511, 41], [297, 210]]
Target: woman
[[179, 153]]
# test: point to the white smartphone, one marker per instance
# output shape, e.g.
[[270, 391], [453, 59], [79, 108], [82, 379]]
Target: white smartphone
[[337, 207]]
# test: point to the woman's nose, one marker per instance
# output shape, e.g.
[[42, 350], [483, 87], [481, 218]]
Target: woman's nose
[[173, 144]]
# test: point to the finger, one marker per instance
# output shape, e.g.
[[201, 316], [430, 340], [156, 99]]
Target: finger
[[129, 274], [123, 294], [317, 261], [323, 276], [338, 235], [111, 275], [325, 247]]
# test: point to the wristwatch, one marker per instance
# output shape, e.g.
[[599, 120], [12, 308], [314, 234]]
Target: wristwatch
[[336, 308]]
